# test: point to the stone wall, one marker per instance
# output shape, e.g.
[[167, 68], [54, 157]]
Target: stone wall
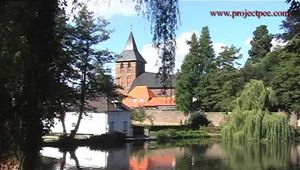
[[176, 118]]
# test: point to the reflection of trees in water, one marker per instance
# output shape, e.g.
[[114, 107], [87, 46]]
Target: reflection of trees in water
[[194, 157], [257, 156]]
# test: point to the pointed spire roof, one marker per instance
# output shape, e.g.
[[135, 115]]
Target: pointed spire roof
[[131, 52]]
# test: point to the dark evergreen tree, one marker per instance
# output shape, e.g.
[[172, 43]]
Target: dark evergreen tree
[[260, 44], [188, 78], [286, 75], [207, 54], [291, 24], [218, 88]]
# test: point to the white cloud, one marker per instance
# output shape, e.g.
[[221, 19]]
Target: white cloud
[[107, 8], [277, 43], [247, 41], [218, 47], [151, 56]]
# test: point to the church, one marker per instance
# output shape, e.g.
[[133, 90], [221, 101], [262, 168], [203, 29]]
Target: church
[[141, 88]]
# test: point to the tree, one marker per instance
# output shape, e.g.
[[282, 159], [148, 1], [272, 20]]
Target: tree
[[28, 75], [207, 54], [138, 114], [163, 16], [85, 35], [196, 64], [250, 119], [291, 24], [260, 44], [286, 76], [218, 88], [188, 78]]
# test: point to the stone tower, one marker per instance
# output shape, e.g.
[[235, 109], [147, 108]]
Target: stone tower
[[129, 65]]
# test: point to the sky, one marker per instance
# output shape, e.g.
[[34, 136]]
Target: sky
[[194, 14]]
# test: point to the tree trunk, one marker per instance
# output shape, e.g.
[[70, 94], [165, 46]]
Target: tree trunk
[[62, 119], [82, 94]]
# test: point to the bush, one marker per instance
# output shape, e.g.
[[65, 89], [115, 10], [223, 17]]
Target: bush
[[198, 119], [163, 136]]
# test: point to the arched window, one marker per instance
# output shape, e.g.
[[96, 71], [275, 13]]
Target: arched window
[[129, 65], [122, 65]]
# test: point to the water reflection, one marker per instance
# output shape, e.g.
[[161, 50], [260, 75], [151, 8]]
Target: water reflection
[[209, 156]]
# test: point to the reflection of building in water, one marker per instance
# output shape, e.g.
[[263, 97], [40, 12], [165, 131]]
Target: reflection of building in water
[[117, 158], [156, 159]]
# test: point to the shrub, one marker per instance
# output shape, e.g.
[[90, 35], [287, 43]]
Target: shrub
[[197, 119]]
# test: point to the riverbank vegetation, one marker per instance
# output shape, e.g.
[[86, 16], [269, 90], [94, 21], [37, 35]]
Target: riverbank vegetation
[[168, 135], [251, 120], [262, 95]]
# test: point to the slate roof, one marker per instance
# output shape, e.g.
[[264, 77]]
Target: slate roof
[[104, 104], [131, 52], [150, 80]]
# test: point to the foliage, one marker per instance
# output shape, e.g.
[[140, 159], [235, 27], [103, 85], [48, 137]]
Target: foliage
[[291, 25], [28, 82], [88, 61], [138, 114], [260, 44], [286, 76], [167, 135], [217, 89], [198, 62], [197, 119], [164, 16], [250, 119], [188, 78]]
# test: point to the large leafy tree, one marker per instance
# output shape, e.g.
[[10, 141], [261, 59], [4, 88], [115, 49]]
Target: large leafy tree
[[86, 33], [250, 119], [28, 75]]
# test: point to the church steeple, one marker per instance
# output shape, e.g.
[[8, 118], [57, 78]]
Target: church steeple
[[129, 65], [130, 45], [131, 52]]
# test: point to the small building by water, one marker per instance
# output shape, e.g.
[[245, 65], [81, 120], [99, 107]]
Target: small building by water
[[102, 116]]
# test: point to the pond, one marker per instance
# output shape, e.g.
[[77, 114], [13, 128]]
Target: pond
[[188, 156]]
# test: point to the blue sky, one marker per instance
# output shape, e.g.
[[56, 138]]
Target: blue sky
[[194, 15]]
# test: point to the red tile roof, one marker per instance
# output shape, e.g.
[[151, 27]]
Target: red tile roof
[[142, 96], [161, 101]]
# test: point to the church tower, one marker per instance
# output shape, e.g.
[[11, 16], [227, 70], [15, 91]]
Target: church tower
[[129, 65]]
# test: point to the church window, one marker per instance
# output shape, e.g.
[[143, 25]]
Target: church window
[[122, 65], [129, 64], [128, 81]]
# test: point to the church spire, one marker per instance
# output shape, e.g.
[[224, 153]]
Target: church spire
[[131, 52], [130, 45]]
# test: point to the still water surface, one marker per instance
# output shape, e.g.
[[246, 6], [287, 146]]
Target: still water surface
[[150, 156]]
